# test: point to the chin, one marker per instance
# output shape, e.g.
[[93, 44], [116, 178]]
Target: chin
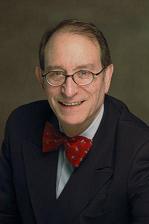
[[71, 121]]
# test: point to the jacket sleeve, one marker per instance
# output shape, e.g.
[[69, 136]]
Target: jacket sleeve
[[138, 186], [8, 207]]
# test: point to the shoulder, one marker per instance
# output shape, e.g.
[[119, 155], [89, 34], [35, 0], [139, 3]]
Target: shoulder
[[126, 117], [29, 111], [131, 129], [28, 118]]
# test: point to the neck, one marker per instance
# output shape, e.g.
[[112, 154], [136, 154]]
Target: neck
[[72, 130]]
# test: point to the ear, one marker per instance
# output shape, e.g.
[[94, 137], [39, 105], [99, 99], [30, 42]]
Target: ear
[[38, 74], [108, 77]]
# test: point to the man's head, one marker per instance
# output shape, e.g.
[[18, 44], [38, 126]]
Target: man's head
[[78, 48]]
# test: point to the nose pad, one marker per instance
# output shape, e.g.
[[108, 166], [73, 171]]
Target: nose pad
[[69, 88]]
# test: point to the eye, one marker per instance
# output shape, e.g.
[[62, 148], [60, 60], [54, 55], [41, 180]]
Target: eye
[[84, 74], [54, 76]]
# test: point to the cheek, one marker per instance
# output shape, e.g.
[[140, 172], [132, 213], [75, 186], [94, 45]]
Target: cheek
[[51, 95], [97, 91], [51, 92], [97, 96]]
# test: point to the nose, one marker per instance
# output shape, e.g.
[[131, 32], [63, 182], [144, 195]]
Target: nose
[[69, 88]]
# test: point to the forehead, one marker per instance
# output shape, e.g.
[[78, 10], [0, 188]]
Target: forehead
[[62, 36], [71, 47]]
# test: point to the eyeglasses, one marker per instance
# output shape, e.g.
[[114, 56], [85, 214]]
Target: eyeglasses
[[81, 78]]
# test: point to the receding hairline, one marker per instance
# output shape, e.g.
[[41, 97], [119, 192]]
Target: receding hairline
[[74, 29], [71, 29]]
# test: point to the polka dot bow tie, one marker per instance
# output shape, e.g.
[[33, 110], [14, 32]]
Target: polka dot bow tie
[[76, 148]]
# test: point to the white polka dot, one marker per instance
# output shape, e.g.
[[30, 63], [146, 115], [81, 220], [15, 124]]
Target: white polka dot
[[82, 141]]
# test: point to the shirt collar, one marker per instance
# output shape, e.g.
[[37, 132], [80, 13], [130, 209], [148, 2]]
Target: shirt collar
[[91, 130]]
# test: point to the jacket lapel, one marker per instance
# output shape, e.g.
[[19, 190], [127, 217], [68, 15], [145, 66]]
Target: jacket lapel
[[41, 172], [41, 180]]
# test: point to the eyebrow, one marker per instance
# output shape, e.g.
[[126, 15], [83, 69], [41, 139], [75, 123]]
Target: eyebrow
[[53, 67], [89, 66], [83, 66]]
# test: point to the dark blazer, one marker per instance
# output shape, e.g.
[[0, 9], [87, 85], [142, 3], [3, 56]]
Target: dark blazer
[[111, 186]]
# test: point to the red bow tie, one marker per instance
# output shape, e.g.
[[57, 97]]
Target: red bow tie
[[76, 148]]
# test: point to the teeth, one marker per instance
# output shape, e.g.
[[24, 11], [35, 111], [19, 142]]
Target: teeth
[[71, 104]]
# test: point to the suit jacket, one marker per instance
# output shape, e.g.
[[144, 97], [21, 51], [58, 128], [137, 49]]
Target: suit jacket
[[111, 186]]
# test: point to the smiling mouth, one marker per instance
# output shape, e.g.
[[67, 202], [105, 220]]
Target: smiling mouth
[[69, 104]]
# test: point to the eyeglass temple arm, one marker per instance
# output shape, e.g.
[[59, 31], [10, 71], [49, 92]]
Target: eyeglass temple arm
[[101, 71]]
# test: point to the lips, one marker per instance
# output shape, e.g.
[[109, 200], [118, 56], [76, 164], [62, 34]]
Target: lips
[[76, 103]]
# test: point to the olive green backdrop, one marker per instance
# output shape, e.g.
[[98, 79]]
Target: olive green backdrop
[[125, 23]]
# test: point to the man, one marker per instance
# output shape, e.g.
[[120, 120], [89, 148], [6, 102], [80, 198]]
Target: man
[[81, 157]]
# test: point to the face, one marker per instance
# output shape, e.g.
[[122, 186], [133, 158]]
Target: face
[[75, 106]]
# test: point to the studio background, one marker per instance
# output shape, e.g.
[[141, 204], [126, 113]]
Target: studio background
[[124, 23]]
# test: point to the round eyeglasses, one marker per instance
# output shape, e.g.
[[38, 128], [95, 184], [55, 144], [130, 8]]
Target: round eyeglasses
[[81, 78]]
